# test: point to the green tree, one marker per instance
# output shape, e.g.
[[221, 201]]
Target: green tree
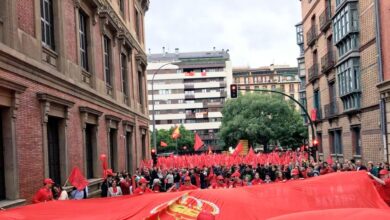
[[262, 119], [186, 139]]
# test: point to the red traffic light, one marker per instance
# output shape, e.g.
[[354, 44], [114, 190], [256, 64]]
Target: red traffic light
[[315, 142], [153, 151]]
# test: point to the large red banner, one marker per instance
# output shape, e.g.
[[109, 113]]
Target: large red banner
[[315, 198]]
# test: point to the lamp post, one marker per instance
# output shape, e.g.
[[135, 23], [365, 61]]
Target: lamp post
[[153, 115]]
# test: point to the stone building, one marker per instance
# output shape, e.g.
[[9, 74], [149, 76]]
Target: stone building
[[341, 65], [274, 77], [72, 87]]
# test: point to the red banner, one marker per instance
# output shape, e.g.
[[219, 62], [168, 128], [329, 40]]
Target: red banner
[[315, 198], [77, 179]]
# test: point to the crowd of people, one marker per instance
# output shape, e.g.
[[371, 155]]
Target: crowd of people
[[153, 179]]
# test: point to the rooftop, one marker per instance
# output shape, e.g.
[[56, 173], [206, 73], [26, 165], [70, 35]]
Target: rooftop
[[169, 57]]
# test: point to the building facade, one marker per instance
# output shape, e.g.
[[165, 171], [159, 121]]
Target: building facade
[[301, 70], [72, 87], [383, 44], [281, 78], [191, 93], [340, 53]]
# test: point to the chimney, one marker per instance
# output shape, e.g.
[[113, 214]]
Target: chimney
[[177, 50], [214, 48], [163, 50], [150, 51]]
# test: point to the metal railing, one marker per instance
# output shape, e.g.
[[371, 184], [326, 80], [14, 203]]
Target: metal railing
[[327, 61], [313, 72], [325, 19], [331, 109], [311, 35]]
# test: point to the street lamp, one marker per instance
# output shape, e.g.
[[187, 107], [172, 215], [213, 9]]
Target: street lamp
[[154, 121]]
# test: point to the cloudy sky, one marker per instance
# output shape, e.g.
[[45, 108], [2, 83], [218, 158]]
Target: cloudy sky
[[257, 32]]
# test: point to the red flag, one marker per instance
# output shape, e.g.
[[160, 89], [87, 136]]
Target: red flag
[[238, 149], [103, 159], [198, 142], [176, 133], [330, 160], [163, 144], [314, 114], [77, 179]]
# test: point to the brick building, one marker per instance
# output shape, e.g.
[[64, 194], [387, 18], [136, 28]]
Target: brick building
[[341, 62], [383, 42], [72, 87]]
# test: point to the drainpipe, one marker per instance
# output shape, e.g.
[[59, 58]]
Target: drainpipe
[[382, 102]]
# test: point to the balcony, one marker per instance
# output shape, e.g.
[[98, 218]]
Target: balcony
[[313, 72], [325, 19], [223, 93], [327, 62], [331, 110], [189, 86], [311, 35], [316, 114], [189, 96]]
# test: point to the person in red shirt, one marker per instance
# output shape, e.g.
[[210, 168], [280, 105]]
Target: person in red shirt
[[382, 184], [125, 185], [44, 194], [187, 185], [294, 174], [257, 180], [219, 184], [237, 182], [143, 188]]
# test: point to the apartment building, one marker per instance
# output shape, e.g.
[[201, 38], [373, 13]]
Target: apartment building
[[191, 92], [72, 87], [341, 66], [274, 77]]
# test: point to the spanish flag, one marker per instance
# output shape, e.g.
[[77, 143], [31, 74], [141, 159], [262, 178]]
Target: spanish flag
[[176, 133]]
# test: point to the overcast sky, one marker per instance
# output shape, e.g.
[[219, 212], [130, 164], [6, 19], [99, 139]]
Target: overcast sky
[[257, 32]]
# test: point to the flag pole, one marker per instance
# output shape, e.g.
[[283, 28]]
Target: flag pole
[[177, 151]]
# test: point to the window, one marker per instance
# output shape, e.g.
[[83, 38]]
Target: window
[[107, 60], [317, 103], [348, 74], [137, 24], [346, 28], [356, 140], [335, 142], [292, 89], [141, 87], [47, 23], [122, 6], [125, 85], [83, 40]]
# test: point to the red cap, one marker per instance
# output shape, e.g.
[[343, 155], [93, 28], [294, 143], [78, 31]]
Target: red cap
[[187, 178], [294, 172], [236, 174], [48, 181], [143, 180], [220, 177], [383, 172]]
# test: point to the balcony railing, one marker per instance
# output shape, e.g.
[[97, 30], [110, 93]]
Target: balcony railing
[[327, 62], [313, 72], [331, 110], [311, 35], [316, 114], [325, 19]]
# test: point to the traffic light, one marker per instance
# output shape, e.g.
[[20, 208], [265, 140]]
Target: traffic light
[[154, 157], [233, 91], [315, 143]]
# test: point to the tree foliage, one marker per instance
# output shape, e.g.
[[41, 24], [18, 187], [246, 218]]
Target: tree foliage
[[186, 139], [262, 119]]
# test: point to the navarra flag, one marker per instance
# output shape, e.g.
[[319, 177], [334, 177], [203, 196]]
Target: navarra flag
[[176, 133], [77, 179], [198, 142], [163, 144], [238, 149]]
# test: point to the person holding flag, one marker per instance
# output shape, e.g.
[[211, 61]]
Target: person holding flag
[[44, 194]]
